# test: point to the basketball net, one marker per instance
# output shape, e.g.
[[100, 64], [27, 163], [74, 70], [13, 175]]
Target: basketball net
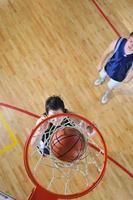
[[54, 178]]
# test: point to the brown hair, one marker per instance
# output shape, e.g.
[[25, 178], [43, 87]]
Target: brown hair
[[131, 34], [54, 103]]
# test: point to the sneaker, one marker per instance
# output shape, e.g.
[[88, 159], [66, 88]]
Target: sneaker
[[105, 97], [99, 81]]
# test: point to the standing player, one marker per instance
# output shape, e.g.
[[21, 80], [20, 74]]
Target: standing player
[[117, 64]]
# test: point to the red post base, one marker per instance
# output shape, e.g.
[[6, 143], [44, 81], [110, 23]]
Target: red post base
[[40, 194]]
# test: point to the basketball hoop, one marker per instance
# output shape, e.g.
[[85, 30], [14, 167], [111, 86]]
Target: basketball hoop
[[49, 167]]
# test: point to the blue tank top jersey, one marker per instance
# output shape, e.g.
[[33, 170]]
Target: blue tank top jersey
[[120, 63]]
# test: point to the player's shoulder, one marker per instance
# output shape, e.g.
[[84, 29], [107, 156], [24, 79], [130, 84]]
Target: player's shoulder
[[118, 41], [40, 119], [112, 45]]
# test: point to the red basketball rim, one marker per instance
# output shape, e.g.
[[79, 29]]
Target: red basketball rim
[[33, 178]]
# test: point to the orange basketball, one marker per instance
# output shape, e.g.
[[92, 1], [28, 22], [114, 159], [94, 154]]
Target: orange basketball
[[67, 144]]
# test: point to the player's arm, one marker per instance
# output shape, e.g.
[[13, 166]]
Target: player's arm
[[107, 55], [129, 75], [37, 136]]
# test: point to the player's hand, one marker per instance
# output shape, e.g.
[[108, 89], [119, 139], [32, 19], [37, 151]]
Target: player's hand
[[126, 80]]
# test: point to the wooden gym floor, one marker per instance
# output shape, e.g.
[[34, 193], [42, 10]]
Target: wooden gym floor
[[53, 47]]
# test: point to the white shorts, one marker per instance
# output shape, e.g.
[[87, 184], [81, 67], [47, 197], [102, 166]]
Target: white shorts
[[111, 83]]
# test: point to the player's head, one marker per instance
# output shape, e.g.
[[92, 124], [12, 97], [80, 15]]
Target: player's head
[[130, 41], [54, 105]]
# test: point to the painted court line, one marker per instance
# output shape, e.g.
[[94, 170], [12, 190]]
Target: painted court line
[[10, 133], [106, 18], [19, 109]]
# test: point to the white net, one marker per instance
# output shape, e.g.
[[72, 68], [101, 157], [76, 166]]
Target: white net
[[66, 177]]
